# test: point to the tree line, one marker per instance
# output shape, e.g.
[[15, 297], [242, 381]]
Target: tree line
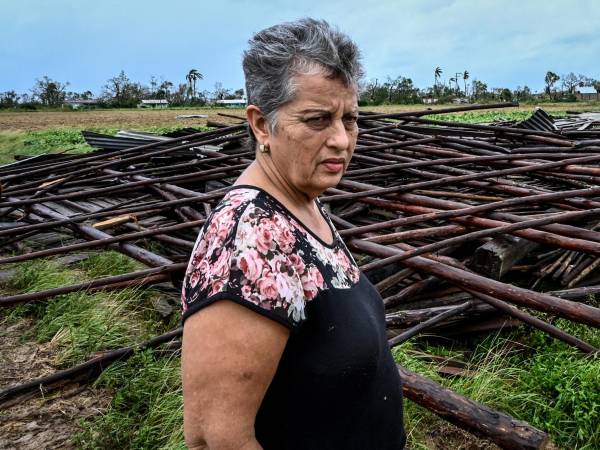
[[401, 90], [119, 92]]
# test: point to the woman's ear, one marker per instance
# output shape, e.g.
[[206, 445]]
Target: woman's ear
[[258, 123]]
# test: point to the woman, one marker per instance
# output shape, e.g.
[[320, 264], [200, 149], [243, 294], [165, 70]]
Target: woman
[[284, 343]]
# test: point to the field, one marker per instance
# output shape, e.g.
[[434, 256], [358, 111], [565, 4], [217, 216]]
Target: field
[[137, 404]]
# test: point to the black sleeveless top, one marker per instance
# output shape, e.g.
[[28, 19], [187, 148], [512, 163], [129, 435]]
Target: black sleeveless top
[[336, 386]]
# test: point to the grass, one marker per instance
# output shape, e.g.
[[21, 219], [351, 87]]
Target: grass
[[542, 381], [82, 323], [483, 116], [62, 140], [147, 408]]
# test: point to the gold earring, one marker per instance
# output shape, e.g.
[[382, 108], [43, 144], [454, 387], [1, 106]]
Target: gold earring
[[264, 148]]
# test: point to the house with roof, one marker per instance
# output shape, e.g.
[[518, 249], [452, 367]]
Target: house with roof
[[81, 103], [153, 103], [587, 93], [232, 103]]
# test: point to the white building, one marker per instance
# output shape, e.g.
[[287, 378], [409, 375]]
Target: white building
[[232, 103], [76, 104], [153, 103]]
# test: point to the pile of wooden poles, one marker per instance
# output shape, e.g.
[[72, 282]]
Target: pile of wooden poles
[[462, 228]]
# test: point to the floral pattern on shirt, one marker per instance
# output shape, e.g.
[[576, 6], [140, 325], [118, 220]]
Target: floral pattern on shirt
[[252, 249]]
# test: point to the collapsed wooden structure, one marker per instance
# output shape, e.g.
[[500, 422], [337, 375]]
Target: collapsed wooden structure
[[462, 228]]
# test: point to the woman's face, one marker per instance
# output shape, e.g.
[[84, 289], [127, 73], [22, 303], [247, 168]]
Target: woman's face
[[315, 134]]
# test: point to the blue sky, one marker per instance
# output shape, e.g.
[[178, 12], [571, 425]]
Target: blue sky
[[503, 43]]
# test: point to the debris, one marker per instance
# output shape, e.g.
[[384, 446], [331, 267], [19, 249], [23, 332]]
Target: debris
[[461, 227], [191, 116]]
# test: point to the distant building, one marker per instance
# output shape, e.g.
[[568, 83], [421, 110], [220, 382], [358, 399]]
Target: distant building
[[460, 100], [232, 103], [587, 93], [153, 103], [76, 104], [429, 100]]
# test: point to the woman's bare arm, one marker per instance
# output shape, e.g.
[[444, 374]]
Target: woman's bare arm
[[229, 357]]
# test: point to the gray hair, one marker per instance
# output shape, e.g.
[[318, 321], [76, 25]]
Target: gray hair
[[278, 53]]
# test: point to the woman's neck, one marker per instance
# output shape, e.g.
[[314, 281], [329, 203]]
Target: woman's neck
[[264, 175]]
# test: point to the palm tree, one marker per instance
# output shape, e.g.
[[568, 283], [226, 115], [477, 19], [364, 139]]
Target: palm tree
[[465, 77], [191, 78], [436, 76], [450, 81]]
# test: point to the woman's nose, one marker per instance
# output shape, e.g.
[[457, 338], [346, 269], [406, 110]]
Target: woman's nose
[[339, 137]]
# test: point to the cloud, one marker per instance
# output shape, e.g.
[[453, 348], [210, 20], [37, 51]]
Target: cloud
[[504, 43]]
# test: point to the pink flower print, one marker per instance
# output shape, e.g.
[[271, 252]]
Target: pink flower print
[[200, 250], [283, 286], [354, 274], [194, 278], [237, 198], [286, 240], [264, 239], [298, 264], [221, 234], [221, 265], [312, 281], [210, 232], [316, 276], [296, 309], [343, 259], [251, 264], [308, 286], [295, 225], [204, 272], [246, 292], [267, 285], [278, 263], [216, 285], [226, 223], [283, 233], [265, 304], [280, 222], [220, 225]]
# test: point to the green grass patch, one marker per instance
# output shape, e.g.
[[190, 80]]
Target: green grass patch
[[147, 407], [59, 140], [82, 323], [108, 263], [33, 143], [546, 383], [488, 116], [41, 274], [35, 276]]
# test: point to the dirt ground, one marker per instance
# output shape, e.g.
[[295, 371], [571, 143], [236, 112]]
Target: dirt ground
[[132, 118], [42, 422], [113, 118]]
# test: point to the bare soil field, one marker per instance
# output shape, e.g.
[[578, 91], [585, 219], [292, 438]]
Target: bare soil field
[[111, 118], [46, 422], [133, 118]]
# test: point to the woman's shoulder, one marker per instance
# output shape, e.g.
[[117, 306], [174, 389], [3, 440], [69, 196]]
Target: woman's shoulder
[[249, 213]]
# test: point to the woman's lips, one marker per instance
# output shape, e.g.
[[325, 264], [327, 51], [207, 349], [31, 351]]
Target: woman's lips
[[334, 165]]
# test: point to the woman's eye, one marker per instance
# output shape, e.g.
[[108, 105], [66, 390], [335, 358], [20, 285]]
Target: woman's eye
[[350, 121], [321, 121]]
